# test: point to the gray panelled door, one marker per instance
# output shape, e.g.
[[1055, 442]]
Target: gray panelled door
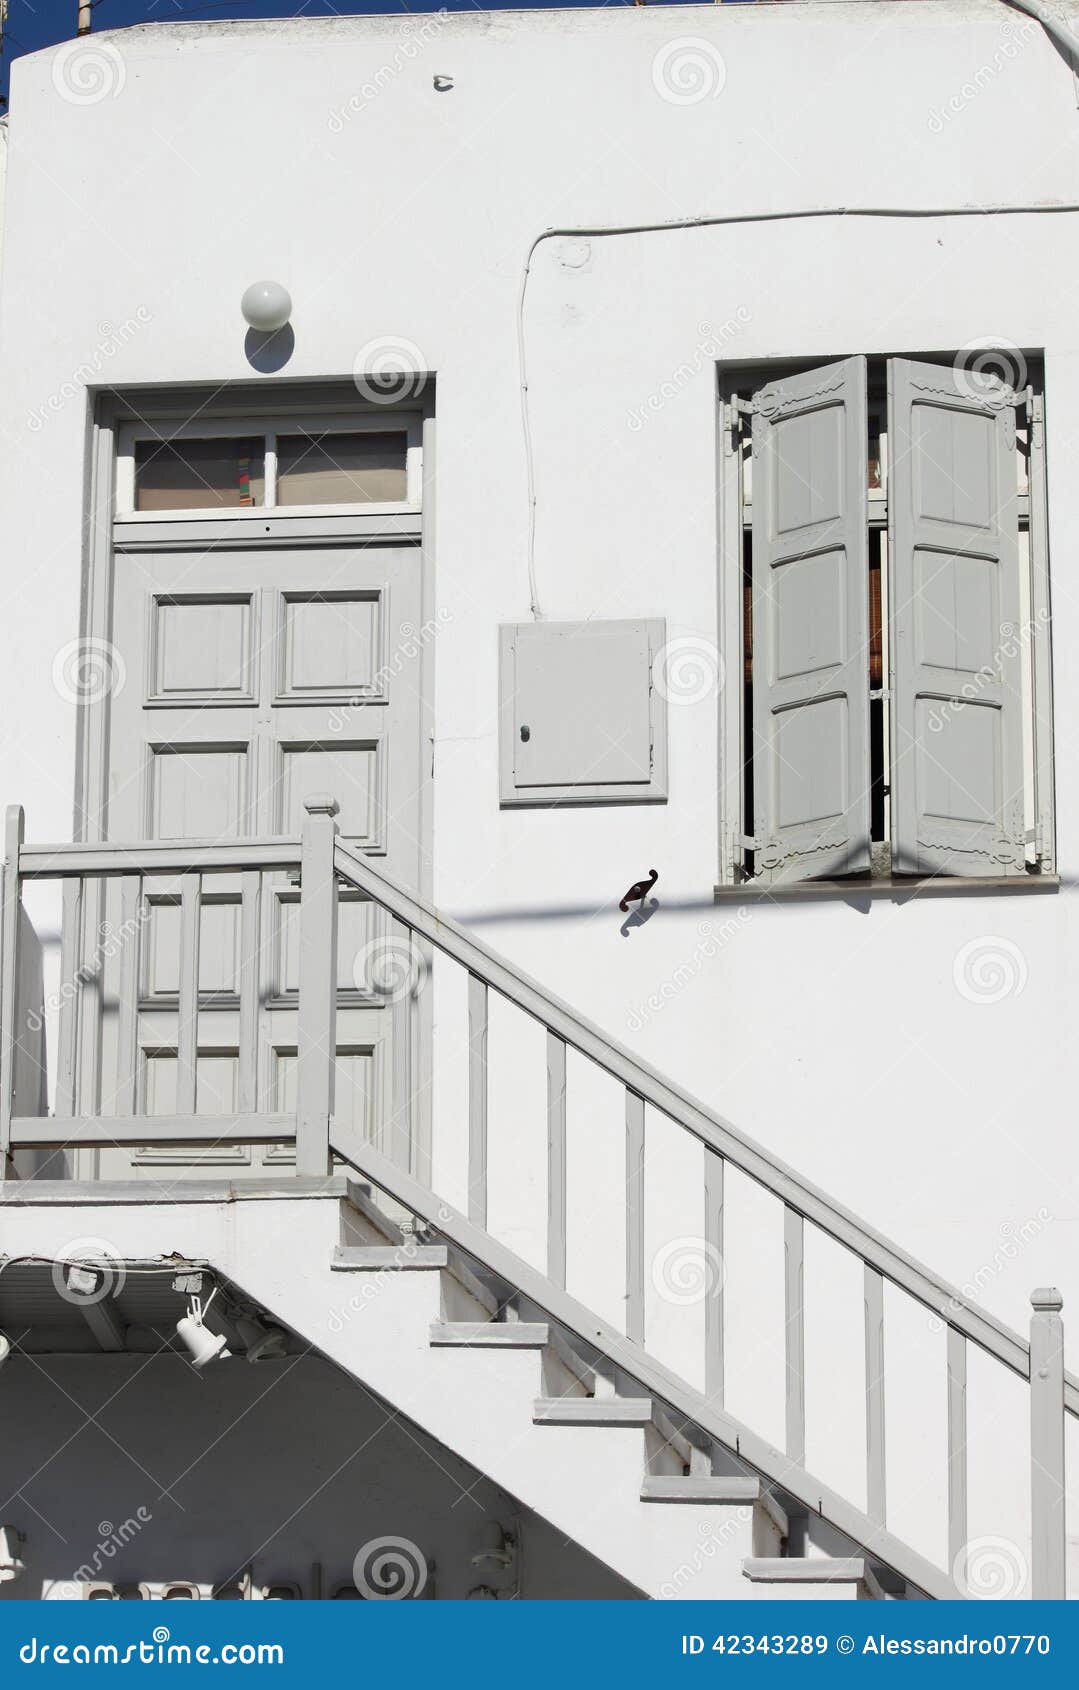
[[255, 679], [811, 624], [957, 750]]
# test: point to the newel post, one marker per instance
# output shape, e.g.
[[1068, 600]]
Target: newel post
[[316, 1040], [1047, 1445]]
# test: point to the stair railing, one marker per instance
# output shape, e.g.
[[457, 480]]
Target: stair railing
[[1040, 1362], [324, 860], [108, 1112]]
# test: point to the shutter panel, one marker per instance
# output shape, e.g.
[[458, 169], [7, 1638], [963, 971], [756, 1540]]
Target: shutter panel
[[811, 624], [957, 748]]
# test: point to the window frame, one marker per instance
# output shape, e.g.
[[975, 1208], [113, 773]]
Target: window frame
[[270, 426], [735, 384]]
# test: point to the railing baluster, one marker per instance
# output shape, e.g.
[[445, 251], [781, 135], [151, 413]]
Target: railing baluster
[[874, 1395], [402, 1009], [187, 1033], [477, 1100], [1047, 1446], [714, 1277], [14, 829], [71, 991], [316, 1036], [248, 986], [556, 1159], [128, 992], [634, 1217], [793, 1283], [957, 1456]]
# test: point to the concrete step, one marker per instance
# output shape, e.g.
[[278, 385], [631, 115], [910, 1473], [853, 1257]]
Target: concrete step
[[700, 1487], [388, 1258], [491, 1334], [816, 1571], [593, 1411]]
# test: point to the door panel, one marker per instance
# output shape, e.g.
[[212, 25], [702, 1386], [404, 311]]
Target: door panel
[[254, 680]]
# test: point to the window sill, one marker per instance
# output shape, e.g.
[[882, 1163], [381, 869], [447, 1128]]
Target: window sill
[[900, 888]]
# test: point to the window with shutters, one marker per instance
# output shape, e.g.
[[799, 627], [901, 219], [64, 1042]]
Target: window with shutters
[[886, 598]]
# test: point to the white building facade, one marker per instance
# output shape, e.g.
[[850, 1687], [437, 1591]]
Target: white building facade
[[663, 477]]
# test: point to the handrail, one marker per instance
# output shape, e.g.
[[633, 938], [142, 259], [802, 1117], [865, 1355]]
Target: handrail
[[157, 856], [799, 1194], [688, 1405], [323, 860]]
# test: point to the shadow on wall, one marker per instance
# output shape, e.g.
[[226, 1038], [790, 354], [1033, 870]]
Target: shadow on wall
[[287, 1474]]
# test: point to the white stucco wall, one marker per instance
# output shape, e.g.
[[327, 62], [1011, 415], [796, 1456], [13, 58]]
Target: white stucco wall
[[319, 152]]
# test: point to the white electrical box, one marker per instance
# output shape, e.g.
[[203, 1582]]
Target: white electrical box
[[581, 720]]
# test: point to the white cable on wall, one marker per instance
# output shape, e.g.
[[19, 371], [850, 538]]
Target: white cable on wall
[[602, 230]]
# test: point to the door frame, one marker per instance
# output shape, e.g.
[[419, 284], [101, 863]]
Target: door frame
[[112, 413]]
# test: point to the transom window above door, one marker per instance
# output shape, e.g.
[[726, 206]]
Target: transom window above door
[[886, 604], [302, 465]]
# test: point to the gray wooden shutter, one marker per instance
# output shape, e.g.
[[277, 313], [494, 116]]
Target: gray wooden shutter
[[956, 711], [811, 624]]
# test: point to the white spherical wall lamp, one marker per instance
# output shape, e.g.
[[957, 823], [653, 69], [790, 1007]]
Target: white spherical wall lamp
[[267, 306]]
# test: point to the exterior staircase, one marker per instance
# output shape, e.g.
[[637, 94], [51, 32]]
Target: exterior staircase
[[493, 1356]]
